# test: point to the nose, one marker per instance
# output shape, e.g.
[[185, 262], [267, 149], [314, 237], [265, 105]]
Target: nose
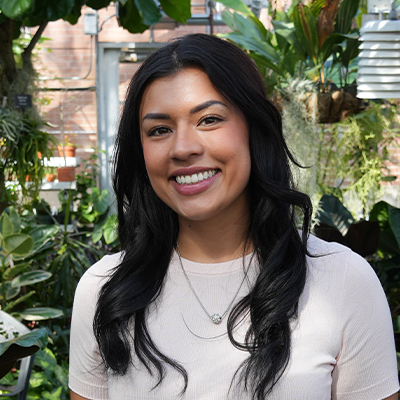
[[186, 143]]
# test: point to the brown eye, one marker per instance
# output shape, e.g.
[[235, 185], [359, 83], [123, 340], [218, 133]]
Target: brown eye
[[210, 120], [159, 131]]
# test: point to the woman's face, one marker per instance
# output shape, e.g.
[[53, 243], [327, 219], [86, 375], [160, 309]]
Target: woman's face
[[196, 147]]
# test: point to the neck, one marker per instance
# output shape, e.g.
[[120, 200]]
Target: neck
[[214, 241]]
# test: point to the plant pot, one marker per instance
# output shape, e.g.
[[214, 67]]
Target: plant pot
[[51, 177], [66, 174], [69, 151]]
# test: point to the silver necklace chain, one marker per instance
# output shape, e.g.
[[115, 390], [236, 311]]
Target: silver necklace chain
[[215, 318]]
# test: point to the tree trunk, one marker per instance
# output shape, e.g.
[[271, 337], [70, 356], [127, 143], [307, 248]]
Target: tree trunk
[[8, 69]]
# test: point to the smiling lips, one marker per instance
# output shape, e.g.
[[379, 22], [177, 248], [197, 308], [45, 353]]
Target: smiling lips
[[195, 178]]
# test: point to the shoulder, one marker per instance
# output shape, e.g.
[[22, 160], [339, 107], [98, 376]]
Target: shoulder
[[92, 280], [331, 257]]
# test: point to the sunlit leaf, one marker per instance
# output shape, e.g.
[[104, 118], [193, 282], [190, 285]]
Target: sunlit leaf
[[18, 244], [37, 338], [6, 226], [11, 272], [16, 220], [15, 8], [40, 313], [253, 44], [237, 5], [101, 203], [344, 19], [110, 229], [29, 278], [43, 234]]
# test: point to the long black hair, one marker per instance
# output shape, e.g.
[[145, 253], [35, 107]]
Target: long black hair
[[148, 229]]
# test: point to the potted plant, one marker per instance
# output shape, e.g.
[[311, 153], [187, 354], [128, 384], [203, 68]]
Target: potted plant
[[66, 174], [66, 148]]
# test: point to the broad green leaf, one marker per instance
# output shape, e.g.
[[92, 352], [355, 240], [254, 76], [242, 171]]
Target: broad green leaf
[[330, 42], [15, 219], [42, 234], [332, 212], [75, 13], [46, 10], [344, 19], [306, 30], [110, 229], [29, 278], [148, 11], [247, 27], [290, 61], [130, 19], [264, 62], [19, 245], [11, 272], [11, 304], [350, 53], [61, 375], [6, 226], [96, 235], [97, 4], [380, 213], [281, 16], [290, 36], [40, 313], [236, 5], [316, 7], [179, 10], [37, 338], [45, 359], [11, 291], [101, 204], [227, 17], [259, 25], [14, 9], [260, 47], [394, 221]]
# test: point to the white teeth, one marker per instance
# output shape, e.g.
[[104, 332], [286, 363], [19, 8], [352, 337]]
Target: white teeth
[[188, 179], [194, 178]]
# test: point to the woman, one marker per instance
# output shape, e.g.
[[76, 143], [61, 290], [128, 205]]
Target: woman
[[216, 295]]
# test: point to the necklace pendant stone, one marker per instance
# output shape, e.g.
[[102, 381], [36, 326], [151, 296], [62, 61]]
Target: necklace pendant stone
[[216, 318]]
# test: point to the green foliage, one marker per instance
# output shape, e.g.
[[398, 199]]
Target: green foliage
[[135, 15], [15, 249], [49, 380], [297, 47], [24, 144], [36, 338], [353, 154]]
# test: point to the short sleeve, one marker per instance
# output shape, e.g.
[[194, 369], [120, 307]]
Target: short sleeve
[[87, 376], [366, 366]]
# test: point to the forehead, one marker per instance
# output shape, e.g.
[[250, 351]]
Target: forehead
[[188, 86]]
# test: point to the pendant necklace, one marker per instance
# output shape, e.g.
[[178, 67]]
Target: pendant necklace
[[215, 318]]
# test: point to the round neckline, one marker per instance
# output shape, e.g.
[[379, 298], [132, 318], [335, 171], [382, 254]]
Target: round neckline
[[225, 267]]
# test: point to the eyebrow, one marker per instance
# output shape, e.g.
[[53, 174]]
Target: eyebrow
[[194, 110], [205, 105], [156, 116]]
